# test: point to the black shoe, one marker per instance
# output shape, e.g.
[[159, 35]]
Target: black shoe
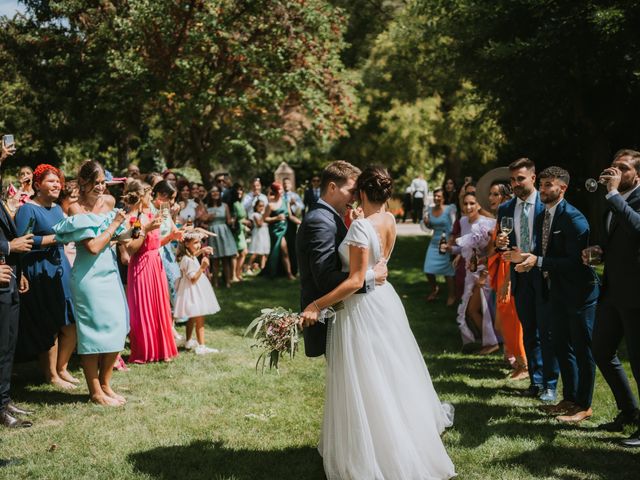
[[621, 420], [10, 421], [633, 441], [533, 391], [13, 409]]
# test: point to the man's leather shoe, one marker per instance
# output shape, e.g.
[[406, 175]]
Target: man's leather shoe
[[559, 409], [13, 409], [532, 392], [633, 441], [10, 421], [548, 395], [575, 415], [621, 420]]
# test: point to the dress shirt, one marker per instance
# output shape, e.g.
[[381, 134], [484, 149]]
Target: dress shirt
[[624, 196], [531, 200], [419, 187]]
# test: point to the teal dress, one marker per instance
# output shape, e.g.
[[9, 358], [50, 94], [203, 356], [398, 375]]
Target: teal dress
[[277, 231], [435, 263], [223, 244], [240, 214], [102, 317]]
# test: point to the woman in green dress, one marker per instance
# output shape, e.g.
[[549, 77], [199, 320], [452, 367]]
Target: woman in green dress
[[276, 216], [102, 317]]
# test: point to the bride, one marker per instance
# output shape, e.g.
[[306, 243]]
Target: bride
[[382, 417]]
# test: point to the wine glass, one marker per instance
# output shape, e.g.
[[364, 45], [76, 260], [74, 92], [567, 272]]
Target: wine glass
[[506, 227], [591, 185]]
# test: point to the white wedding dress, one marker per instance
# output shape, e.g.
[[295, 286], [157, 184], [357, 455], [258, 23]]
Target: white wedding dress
[[382, 417]]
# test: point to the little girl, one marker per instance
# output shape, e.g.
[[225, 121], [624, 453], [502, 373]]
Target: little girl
[[260, 245], [194, 295]]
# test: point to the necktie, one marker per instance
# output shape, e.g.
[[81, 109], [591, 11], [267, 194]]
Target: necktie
[[546, 229], [525, 235]]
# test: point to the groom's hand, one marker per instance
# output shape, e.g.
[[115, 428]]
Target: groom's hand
[[310, 316], [380, 272]]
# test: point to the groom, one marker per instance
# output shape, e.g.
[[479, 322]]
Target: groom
[[320, 234]]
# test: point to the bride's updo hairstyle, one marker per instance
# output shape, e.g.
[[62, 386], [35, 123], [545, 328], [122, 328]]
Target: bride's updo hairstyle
[[376, 182]]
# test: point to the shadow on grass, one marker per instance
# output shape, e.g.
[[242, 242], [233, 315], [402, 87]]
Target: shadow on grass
[[213, 460], [572, 463]]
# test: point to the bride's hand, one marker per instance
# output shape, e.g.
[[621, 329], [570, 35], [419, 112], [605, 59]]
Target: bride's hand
[[310, 316]]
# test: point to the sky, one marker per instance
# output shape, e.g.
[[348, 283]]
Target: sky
[[9, 7]]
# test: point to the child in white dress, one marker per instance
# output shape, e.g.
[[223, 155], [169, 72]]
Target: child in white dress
[[260, 245], [195, 297]]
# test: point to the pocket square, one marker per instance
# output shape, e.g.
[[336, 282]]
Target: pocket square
[[557, 232]]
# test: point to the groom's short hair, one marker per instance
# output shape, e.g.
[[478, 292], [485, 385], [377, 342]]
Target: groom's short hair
[[337, 172]]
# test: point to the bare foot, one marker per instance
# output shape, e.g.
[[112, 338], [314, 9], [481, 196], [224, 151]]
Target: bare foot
[[433, 295], [67, 377], [291, 277], [62, 384], [105, 401], [111, 394], [451, 301]]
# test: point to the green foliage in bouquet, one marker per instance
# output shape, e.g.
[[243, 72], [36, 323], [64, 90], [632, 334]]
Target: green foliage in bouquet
[[276, 333]]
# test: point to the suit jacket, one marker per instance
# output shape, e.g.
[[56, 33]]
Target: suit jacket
[[507, 209], [8, 293], [570, 280], [621, 247]]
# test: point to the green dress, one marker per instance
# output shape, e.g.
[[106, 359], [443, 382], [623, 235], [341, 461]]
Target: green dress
[[277, 231], [102, 316], [240, 214]]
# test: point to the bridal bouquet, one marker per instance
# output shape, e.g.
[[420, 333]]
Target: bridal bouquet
[[276, 333]]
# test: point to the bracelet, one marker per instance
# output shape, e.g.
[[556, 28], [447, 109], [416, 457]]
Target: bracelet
[[316, 305]]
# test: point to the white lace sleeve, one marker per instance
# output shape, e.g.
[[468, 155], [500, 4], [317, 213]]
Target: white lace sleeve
[[357, 234]]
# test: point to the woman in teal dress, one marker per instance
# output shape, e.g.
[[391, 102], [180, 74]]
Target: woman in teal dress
[[276, 216], [239, 224], [100, 305], [440, 219], [224, 245]]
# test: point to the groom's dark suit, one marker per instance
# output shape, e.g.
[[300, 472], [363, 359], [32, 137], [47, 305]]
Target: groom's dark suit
[[9, 307], [319, 236]]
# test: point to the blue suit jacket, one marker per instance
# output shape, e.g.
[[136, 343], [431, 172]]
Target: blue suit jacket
[[507, 209], [8, 293], [570, 280]]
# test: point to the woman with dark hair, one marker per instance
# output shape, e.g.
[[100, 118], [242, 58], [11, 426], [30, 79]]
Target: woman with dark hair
[[507, 322], [276, 215], [188, 206], [382, 416], [224, 245], [238, 223], [440, 219], [102, 318], [475, 313], [450, 192], [47, 326]]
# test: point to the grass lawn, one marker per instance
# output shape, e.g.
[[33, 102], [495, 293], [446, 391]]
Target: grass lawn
[[213, 417]]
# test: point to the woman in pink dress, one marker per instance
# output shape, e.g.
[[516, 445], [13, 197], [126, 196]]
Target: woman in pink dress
[[151, 336]]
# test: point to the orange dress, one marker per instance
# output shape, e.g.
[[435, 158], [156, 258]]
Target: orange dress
[[506, 315]]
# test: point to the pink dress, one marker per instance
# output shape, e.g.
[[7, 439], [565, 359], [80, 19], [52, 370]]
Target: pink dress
[[151, 336]]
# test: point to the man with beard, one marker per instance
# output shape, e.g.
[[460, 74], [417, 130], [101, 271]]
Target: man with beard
[[527, 286], [572, 290], [618, 312]]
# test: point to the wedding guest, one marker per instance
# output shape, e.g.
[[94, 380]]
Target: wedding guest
[[255, 194], [102, 319], [450, 192], [440, 219], [407, 204], [312, 193], [170, 177], [475, 315], [619, 306], [68, 196], [25, 177], [195, 297], [507, 322], [572, 289], [296, 207], [152, 178], [224, 245], [260, 241], [459, 264], [188, 205], [47, 328], [239, 222], [12, 283], [420, 191], [527, 287], [276, 215], [151, 335], [133, 171]]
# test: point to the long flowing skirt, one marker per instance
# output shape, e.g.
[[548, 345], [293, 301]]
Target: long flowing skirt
[[383, 418]]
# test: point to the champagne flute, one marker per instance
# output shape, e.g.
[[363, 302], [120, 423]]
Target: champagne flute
[[506, 227]]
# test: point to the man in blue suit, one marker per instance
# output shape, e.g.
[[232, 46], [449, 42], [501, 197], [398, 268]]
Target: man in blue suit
[[618, 312], [527, 287], [319, 236], [572, 290]]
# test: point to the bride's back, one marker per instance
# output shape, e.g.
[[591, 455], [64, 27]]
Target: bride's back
[[384, 224]]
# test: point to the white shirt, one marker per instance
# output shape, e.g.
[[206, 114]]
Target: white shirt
[[419, 187], [624, 196], [531, 200], [298, 206]]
